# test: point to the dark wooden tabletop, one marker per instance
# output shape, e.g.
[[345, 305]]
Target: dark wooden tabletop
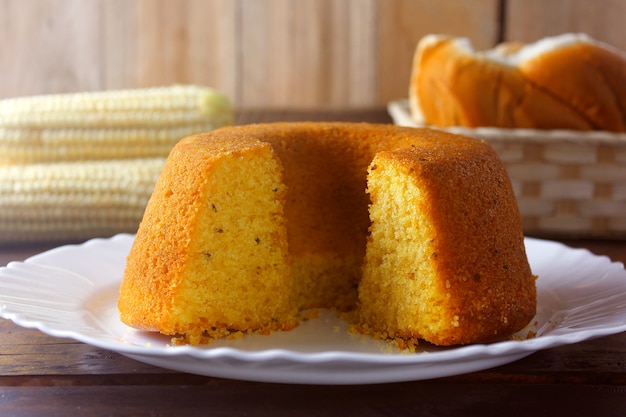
[[41, 375]]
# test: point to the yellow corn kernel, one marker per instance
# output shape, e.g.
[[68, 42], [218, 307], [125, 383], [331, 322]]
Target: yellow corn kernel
[[74, 200], [105, 125]]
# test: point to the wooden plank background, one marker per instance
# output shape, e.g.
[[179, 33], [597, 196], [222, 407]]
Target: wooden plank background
[[299, 54]]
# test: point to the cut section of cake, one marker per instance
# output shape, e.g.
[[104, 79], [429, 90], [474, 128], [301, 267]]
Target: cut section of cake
[[211, 256], [443, 260]]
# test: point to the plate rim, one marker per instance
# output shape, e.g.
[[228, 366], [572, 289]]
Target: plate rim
[[453, 354]]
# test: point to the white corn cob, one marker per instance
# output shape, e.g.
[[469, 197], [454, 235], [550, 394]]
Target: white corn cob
[[74, 200], [134, 123]]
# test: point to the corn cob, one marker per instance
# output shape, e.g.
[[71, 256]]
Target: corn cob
[[138, 123], [74, 200]]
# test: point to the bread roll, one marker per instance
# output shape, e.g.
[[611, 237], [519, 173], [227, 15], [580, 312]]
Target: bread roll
[[565, 82]]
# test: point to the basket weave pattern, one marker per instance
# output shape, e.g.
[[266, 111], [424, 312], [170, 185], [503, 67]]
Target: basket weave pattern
[[567, 187], [568, 184]]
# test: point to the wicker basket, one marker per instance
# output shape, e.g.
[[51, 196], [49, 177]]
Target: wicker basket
[[568, 184]]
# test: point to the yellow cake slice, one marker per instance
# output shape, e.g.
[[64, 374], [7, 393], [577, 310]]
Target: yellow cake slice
[[444, 257], [210, 257]]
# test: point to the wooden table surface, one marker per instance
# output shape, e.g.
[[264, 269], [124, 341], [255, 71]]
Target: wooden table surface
[[41, 375]]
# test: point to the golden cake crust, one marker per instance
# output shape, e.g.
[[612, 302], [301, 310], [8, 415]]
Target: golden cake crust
[[325, 169], [485, 288], [169, 243]]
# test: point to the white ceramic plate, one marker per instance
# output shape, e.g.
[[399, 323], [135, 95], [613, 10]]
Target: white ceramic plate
[[71, 291]]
